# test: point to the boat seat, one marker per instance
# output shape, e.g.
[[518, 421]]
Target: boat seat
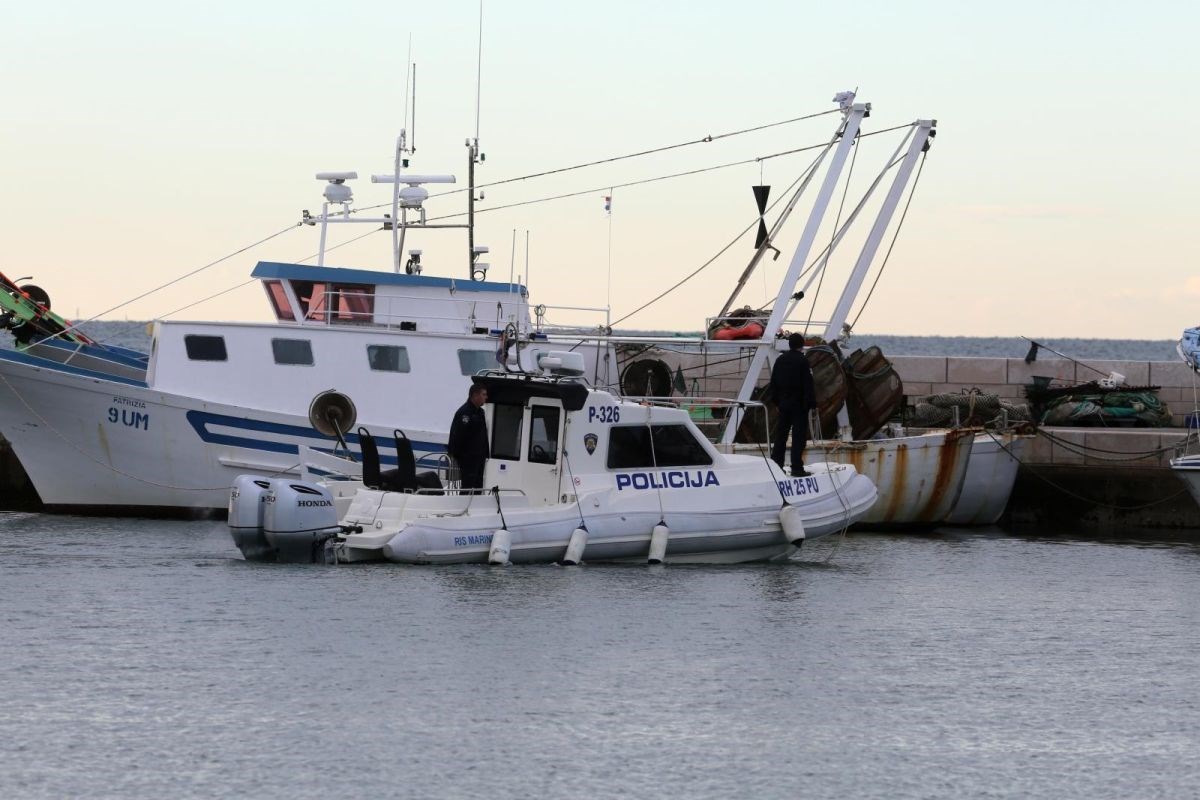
[[404, 478], [406, 466]]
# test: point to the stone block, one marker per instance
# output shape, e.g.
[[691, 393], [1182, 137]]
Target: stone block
[[1060, 369], [1170, 394], [974, 371], [1137, 373], [1038, 452], [1171, 373], [1067, 455], [917, 389], [931, 369], [1105, 447]]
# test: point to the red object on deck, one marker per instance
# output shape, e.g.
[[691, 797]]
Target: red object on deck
[[751, 330]]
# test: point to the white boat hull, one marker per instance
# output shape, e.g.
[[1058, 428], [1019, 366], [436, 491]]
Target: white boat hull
[[416, 529], [98, 446], [1188, 470], [991, 473]]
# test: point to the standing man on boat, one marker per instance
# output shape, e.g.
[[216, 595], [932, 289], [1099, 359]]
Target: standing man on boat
[[792, 385], [468, 443]]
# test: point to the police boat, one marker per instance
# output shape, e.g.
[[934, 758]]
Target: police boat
[[575, 474]]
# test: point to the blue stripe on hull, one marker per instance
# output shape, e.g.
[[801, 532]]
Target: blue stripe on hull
[[200, 420]]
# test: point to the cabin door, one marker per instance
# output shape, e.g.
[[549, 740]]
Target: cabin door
[[544, 423]]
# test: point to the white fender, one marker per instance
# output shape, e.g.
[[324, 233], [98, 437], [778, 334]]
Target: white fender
[[658, 544], [575, 547], [793, 525], [501, 546]]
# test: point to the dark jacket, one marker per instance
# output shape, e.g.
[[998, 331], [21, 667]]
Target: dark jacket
[[792, 381], [468, 436]]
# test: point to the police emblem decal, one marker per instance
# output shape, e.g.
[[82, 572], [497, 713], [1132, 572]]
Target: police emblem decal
[[589, 441]]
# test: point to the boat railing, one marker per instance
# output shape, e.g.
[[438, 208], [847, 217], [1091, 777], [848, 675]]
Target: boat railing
[[709, 414], [734, 320], [367, 308], [542, 325]]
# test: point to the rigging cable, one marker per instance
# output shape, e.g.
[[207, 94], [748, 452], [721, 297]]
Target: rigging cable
[[834, 238], [892, 244], [173, 281], [643, 181], [719, 253]]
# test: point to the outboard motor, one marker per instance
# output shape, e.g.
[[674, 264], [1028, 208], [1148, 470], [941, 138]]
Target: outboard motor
[[247, 502], [298, 519]]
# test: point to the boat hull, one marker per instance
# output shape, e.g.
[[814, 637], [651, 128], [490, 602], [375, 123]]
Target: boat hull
[[1188, 470], [919, 477], [411, 529], [991, 474], [97, 446]]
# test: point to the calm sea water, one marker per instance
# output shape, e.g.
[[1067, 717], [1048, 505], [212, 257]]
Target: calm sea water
[[146, 659]]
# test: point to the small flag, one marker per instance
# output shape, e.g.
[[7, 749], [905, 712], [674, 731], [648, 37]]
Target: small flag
[[608, 203], [760, 199]]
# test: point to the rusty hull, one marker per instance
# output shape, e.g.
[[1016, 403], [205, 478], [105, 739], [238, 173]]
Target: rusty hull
[[919, 477]]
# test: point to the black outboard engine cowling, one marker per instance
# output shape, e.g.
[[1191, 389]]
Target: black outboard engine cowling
[[298, 519]]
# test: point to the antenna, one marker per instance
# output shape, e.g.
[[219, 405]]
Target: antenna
[[478, 71], [407, 71], [512, 260]]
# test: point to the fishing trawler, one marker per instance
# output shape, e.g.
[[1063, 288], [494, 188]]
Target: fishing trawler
[[101, 429], [575, 474], [109, 430]]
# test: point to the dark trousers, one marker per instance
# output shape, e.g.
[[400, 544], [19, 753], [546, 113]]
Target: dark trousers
[[793, 420], [472, 474]]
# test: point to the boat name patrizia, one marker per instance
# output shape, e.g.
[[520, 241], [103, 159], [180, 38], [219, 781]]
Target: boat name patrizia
[[126, 417], [668, 479]]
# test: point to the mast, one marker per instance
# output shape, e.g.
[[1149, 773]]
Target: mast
[[849, 131], [918, 144]]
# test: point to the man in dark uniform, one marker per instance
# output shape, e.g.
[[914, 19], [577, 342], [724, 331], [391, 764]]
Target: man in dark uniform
[[792, 385], [468, 443]]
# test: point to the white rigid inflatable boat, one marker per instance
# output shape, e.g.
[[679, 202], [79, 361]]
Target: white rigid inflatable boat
[[575, 474]]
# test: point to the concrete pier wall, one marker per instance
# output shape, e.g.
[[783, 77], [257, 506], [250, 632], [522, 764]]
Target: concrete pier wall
[[1007, 377], [720, 374]]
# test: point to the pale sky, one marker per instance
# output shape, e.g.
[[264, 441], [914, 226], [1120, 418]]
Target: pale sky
[[142, 140]]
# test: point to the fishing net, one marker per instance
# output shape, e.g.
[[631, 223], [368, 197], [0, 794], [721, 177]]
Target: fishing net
[[973, 408]]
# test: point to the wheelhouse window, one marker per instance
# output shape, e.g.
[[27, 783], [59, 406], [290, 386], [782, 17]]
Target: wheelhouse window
[[205, 348], [629, 447], [471, 362], [506, 431], [543, 434], [336, 302], [292, 351], [387, 358], [279, 301]]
